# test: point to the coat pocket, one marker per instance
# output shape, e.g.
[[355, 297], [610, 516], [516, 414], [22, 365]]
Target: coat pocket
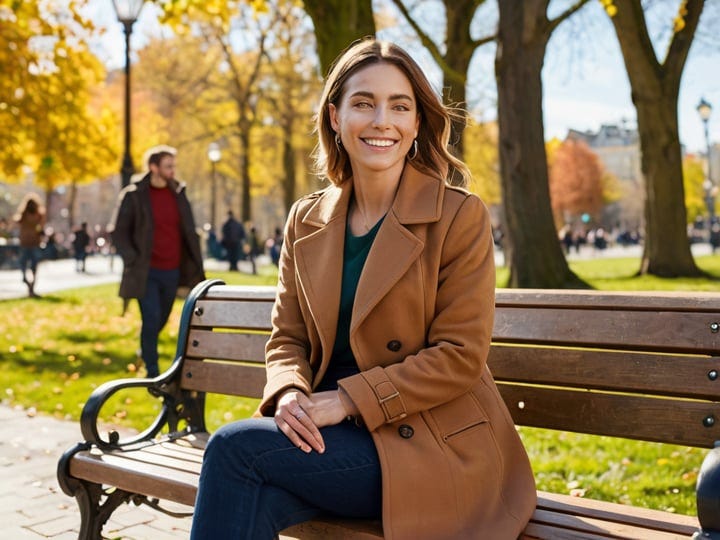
[[457, 417], [472, 457]]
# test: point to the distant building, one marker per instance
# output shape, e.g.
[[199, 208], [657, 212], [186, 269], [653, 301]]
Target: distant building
[[618, 147], [714, 162]]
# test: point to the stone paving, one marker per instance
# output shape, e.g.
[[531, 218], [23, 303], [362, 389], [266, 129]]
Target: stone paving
[[32, 506]]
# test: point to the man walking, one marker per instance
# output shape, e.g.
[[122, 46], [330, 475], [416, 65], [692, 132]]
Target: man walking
[[155, 235]]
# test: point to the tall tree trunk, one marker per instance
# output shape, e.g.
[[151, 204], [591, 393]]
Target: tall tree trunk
[[337, 24], [245, 207], [535, 257], [655, 89], [667, 248], [460, 48], [288, 157], [72, 198], [455, 61]]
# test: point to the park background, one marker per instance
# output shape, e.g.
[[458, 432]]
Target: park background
[[555, 148], [245, 76]]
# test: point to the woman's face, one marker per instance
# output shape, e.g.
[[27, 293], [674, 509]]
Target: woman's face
[[377, 118]]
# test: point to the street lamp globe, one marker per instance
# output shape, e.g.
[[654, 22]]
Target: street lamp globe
[[704, 109], [127, 11], [214, 152]]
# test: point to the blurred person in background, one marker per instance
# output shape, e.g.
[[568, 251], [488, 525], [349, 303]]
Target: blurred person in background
[[30, 219]]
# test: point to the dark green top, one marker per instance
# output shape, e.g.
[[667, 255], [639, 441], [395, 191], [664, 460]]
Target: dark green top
[[342, 362]]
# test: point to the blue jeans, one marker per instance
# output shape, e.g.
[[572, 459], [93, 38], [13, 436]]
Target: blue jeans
[[155, 308], [254, 483], [29, 256]]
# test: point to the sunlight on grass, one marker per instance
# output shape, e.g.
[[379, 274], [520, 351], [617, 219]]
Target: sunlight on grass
[[653, 475], [56, 350], [621, 275]]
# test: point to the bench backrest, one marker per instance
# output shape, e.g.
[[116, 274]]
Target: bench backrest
[[637, 365]]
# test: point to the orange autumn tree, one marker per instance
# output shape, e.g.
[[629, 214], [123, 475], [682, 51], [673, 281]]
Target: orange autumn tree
[[576, 182]]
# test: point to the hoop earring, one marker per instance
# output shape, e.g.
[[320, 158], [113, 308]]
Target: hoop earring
[[338, 142], [414, 151]]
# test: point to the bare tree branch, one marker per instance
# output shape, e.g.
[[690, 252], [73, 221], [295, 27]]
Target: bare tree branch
[[567, 13]]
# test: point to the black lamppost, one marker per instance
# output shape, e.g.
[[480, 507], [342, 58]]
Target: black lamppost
[[127, 13], [704, 109], [214, 155]]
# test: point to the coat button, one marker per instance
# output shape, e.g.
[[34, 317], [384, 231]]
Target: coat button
[[406, 431], [394, 345]]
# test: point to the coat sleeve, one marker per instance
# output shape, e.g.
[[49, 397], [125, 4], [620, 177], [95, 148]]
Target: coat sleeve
[[287, 350], [123, 227], [457, 337]]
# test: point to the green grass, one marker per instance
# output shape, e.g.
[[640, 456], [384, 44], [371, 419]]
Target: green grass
[[57, 349], [620, 275]]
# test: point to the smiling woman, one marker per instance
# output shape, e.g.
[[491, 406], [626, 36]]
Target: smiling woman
[[376, 121], [366, 413]]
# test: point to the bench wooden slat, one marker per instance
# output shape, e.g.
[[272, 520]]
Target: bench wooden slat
[[545, 531], [176, 451], [235, 314], [223, 378], [336, 529], [155, 455], [204, 343], [639, 301], [580, 526], [137, 477], [608, 511], [263, 293], [635, 330], [651, 419], [608, 370]]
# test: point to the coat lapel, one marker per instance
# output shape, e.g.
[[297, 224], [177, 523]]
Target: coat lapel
[[419, 200], [319, 259]]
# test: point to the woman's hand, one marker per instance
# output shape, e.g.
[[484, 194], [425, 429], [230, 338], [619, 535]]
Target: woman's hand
[[299, 417]]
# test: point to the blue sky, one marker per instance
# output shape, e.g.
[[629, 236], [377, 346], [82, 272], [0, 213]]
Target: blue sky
[[585, 84]]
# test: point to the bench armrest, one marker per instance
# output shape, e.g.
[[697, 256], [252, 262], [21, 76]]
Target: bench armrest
[[708, 493], [165, 386], [162, 386]]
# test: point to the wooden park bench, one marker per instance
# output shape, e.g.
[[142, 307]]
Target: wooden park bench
[[639, 366]]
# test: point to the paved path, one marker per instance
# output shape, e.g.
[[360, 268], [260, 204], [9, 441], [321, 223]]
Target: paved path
[[61, 274], [32, 506], [57, 275]]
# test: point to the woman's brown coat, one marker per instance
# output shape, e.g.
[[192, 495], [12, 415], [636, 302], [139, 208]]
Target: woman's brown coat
[[453, 466]]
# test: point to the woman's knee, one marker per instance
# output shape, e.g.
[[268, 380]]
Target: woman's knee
[[241, 441]]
